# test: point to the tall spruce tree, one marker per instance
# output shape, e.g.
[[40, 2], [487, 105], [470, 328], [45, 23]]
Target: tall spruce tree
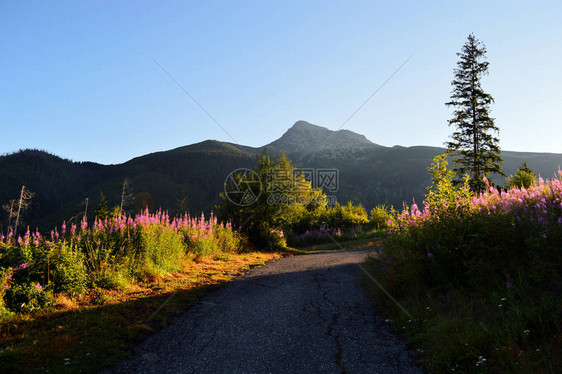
[[473, 145]]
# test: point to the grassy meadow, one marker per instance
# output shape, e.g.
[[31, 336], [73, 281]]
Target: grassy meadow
[[478, 277]]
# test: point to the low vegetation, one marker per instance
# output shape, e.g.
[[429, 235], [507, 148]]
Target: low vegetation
[[288, 211], [113, 253], [477, 278], [69, 298]]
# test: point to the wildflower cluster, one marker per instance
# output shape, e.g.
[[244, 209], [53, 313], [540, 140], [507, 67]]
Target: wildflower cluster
[[109, 253], [516, 220], [315, 236], [539, 204], [469, 251]]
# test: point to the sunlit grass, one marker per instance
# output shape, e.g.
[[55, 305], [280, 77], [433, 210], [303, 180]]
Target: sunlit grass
[[100, 327]]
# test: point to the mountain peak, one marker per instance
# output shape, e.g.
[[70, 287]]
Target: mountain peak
[[305, 137], [300, 125]]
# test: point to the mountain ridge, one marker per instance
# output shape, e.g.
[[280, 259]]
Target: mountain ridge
[[191, 177], [306, 137]]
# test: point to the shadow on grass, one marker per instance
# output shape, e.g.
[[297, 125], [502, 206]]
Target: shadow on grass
[[339, 246], [91, 338]]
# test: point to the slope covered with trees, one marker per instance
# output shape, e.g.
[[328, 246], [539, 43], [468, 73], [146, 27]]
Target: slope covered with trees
[[191, 177]]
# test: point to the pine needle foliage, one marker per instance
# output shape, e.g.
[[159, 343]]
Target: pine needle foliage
[[474, 143]]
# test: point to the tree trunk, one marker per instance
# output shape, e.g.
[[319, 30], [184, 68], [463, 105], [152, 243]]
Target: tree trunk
[[19, 210]]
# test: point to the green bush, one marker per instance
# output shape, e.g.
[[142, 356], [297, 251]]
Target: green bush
[[203, 247], [114, 278], [162, 250], [381, 217], [4, 274], [5, 314], [480, 273], [286, 206], [345, 216], [228, 241], [27, 297], [65, 268], [110, 254], [524, 177]]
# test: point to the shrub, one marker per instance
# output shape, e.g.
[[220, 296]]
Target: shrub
[[112, 253], [27, 297], [524, 177], [283, 202], [65, 269], [276, 239], [315, 236], [499, 253], [381, 217], [204, 238], [114, 278], [161, 250], [5, 275], [345, 216]]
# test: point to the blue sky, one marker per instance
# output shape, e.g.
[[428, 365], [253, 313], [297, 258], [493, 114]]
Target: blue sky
[[77, 78]]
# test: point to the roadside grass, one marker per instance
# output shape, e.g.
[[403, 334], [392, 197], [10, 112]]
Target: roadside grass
[[337, 245], [479, 332], [476, 279], [99, 328]]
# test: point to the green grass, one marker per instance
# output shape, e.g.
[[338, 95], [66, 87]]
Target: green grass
[[363, 240], [476, 280], [90, 333], [508, 331]]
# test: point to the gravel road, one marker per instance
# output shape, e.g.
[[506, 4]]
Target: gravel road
[[299, 314]]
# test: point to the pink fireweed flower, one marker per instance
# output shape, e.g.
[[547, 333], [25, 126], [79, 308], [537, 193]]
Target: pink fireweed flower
[[37, 286], [63, 227]]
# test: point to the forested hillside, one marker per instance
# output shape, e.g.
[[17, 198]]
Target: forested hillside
[[191, 177]]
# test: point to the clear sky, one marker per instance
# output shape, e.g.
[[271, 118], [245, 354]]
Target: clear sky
[[77, 78]]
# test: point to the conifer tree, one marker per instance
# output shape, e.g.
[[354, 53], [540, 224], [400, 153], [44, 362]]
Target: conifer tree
[[474, 143], [102, 210]]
